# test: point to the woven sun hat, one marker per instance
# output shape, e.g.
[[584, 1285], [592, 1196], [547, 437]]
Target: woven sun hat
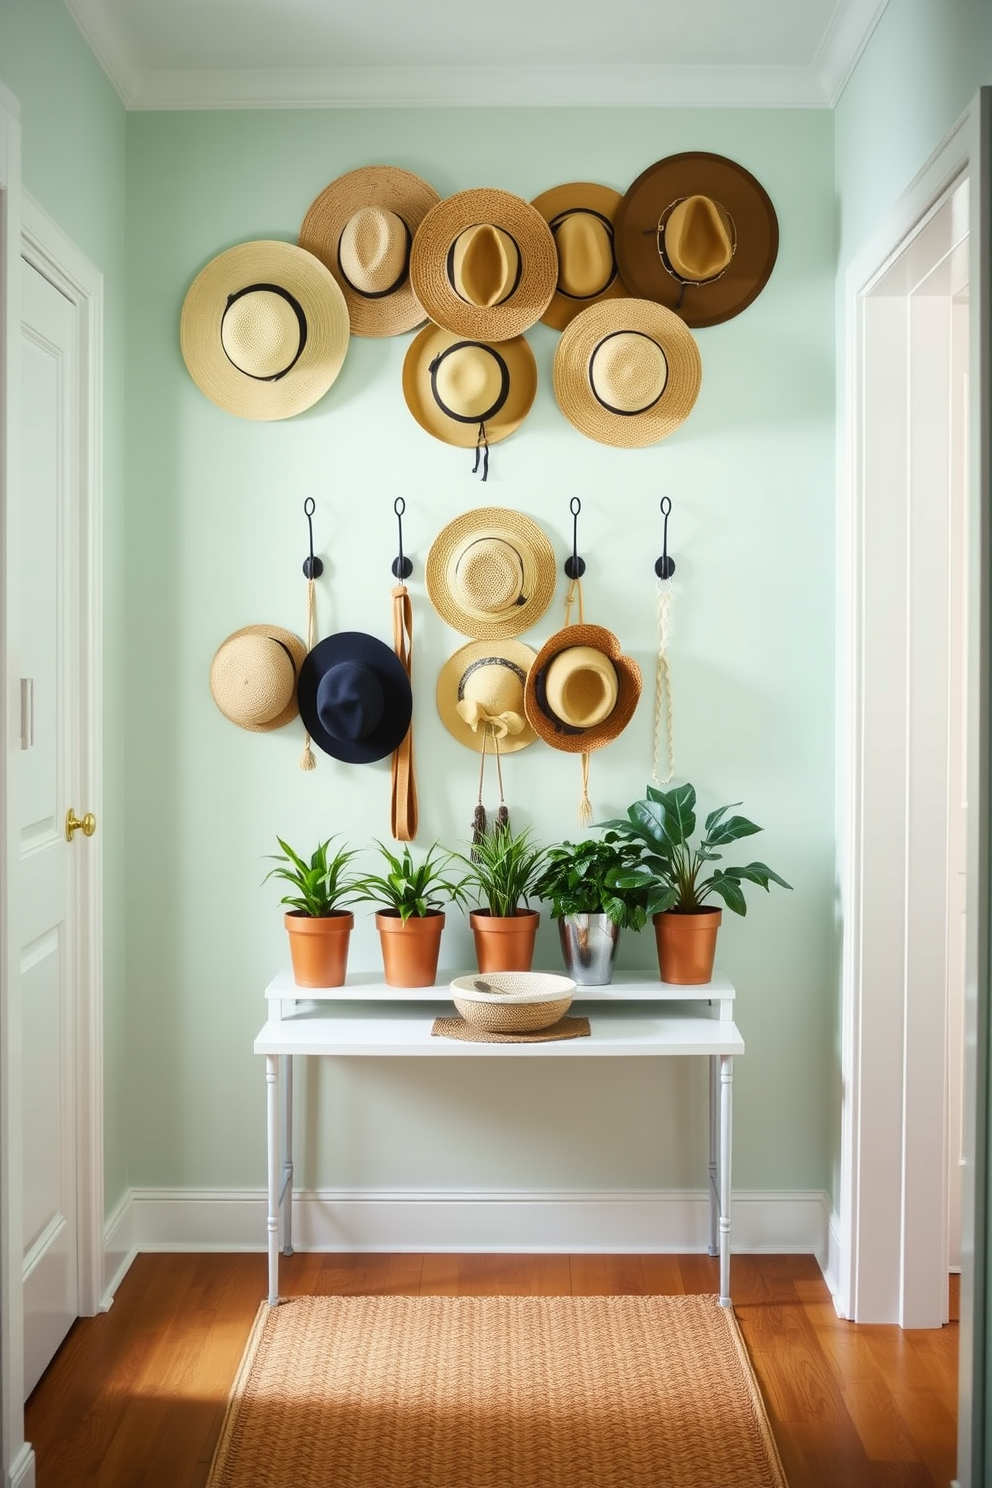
[[355, 697], [581, 217], [253, 677], [484, 264], [581, 690], [264, 330], [627, 372], [697, 233], [491, 573], [362, 227], [468, 392], [480, 695]]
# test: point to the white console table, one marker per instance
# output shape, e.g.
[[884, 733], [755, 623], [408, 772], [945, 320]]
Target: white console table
[[633, 1017]]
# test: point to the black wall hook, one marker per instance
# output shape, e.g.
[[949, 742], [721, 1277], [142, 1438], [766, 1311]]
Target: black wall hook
[[312, 567], [575, 566], [665, 566], [402, 567]]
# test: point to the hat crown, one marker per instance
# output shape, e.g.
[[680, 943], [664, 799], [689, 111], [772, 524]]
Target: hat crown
[[628, 371], [252, 679], [586, 265], [262, 331], [349, 701], [698, 239], [374, 250], [484, 265], [489, 576], [470, 380], [495, 684], [581, 686]]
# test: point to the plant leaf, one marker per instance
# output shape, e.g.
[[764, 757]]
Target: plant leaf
[[731, 830], [729, 890], [757, 873]]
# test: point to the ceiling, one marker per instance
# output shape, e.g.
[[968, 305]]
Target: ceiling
[[169, 54]]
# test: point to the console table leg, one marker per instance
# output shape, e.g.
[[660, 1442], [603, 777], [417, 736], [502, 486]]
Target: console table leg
[[272, 1133], [726, 1097], [287, 1155], [714, 1249]]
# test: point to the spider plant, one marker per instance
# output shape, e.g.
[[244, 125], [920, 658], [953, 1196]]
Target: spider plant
[[320, 886], [409, 889]]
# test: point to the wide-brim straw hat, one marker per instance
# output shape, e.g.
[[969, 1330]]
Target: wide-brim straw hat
[[264, 330], [253, 677], [484, 264], [362, 228], [491, 573], [581, 690], [627, 372], [581, 217], [453, 384], [355, 697], [730, 239], [480, 695]]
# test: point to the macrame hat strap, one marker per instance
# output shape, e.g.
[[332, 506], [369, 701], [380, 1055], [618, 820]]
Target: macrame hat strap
[[574, 596], [404, 813], [663, 714]]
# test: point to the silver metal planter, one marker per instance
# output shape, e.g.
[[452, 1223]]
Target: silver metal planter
[[589, 948]]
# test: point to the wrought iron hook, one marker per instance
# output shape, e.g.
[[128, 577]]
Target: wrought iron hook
[[312, 567], [575, 566], [665, 566], [402, 567]]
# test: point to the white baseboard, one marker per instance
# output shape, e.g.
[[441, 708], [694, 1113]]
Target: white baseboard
[[22, 1468], [119, 1248], [831, 1270]]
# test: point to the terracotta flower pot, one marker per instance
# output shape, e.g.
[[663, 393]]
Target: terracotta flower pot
[[318, 948], [687, 945], [504, 942], [410, 948]]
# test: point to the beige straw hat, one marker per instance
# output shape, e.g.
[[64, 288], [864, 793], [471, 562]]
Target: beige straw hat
[[468, 393], [627, 372], [253, 676], [581, 217], [264, 330], [484, 264], [362, 227], [581, 690], [491, 573], [480, 693]]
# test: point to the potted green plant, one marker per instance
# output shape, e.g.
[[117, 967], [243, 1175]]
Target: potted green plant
[[679, 880], [319, 927], [581, 881], [503, 868], [411, 919]]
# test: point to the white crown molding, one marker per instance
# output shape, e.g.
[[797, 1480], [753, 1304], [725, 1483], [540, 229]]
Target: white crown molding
[[113, 46], [844, 40]]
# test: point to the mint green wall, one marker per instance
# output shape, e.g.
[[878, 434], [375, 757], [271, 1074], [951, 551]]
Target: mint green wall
[[73, 133], [214, 538]]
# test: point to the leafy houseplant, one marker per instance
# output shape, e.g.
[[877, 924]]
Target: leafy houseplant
[[319, 927], [582, 883], [411, 919], [676, 876], [503, 869]]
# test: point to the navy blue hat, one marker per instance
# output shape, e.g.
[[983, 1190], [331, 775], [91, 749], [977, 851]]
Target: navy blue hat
[[354, 697]]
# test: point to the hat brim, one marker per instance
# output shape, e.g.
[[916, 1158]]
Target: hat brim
[[538, 264], [551, 729], [574, 391], [357, 646], [399, 191], [297, 650], [449, 680], [323, 305], [739, 193], [430, 343], [537, 556], [576, 197]]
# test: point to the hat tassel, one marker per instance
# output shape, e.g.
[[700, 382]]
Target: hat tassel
[[307, 761], [481, 447], [502, 815], [585, 805]]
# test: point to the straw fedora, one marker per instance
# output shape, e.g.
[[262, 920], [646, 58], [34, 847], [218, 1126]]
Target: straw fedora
[[355, 697], [581, 690], [264, 330], [480, 693], [627, 372], [362, 226], [491, 573], [253, 677], [468, 393], [581, 217], [484, 264], [698, 233]]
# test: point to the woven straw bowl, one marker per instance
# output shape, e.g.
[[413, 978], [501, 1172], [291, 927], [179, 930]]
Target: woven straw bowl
[[520, 1001]]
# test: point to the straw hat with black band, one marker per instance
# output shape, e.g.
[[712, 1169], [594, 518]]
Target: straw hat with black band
[[355, 697], [698, 233], [627, 372], [581, 217], [484, 264], [491, 573], [253, 677], [264, 330], [468, 393], [362, 227]]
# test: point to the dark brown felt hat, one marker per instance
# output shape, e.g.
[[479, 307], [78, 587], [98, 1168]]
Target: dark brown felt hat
[[734, 212]]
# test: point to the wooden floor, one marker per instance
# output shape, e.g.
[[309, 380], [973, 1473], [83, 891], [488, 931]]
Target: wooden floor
[[135, 1398]]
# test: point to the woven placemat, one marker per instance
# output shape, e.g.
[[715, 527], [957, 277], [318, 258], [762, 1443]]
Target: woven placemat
[[457, 1028]]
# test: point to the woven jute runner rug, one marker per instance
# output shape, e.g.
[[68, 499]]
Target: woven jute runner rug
[[496, 1392]]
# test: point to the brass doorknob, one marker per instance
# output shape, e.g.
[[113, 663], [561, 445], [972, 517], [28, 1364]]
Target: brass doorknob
[[73, 824]]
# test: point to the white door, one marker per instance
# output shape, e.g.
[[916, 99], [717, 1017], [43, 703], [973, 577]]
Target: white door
[[49, 774]]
